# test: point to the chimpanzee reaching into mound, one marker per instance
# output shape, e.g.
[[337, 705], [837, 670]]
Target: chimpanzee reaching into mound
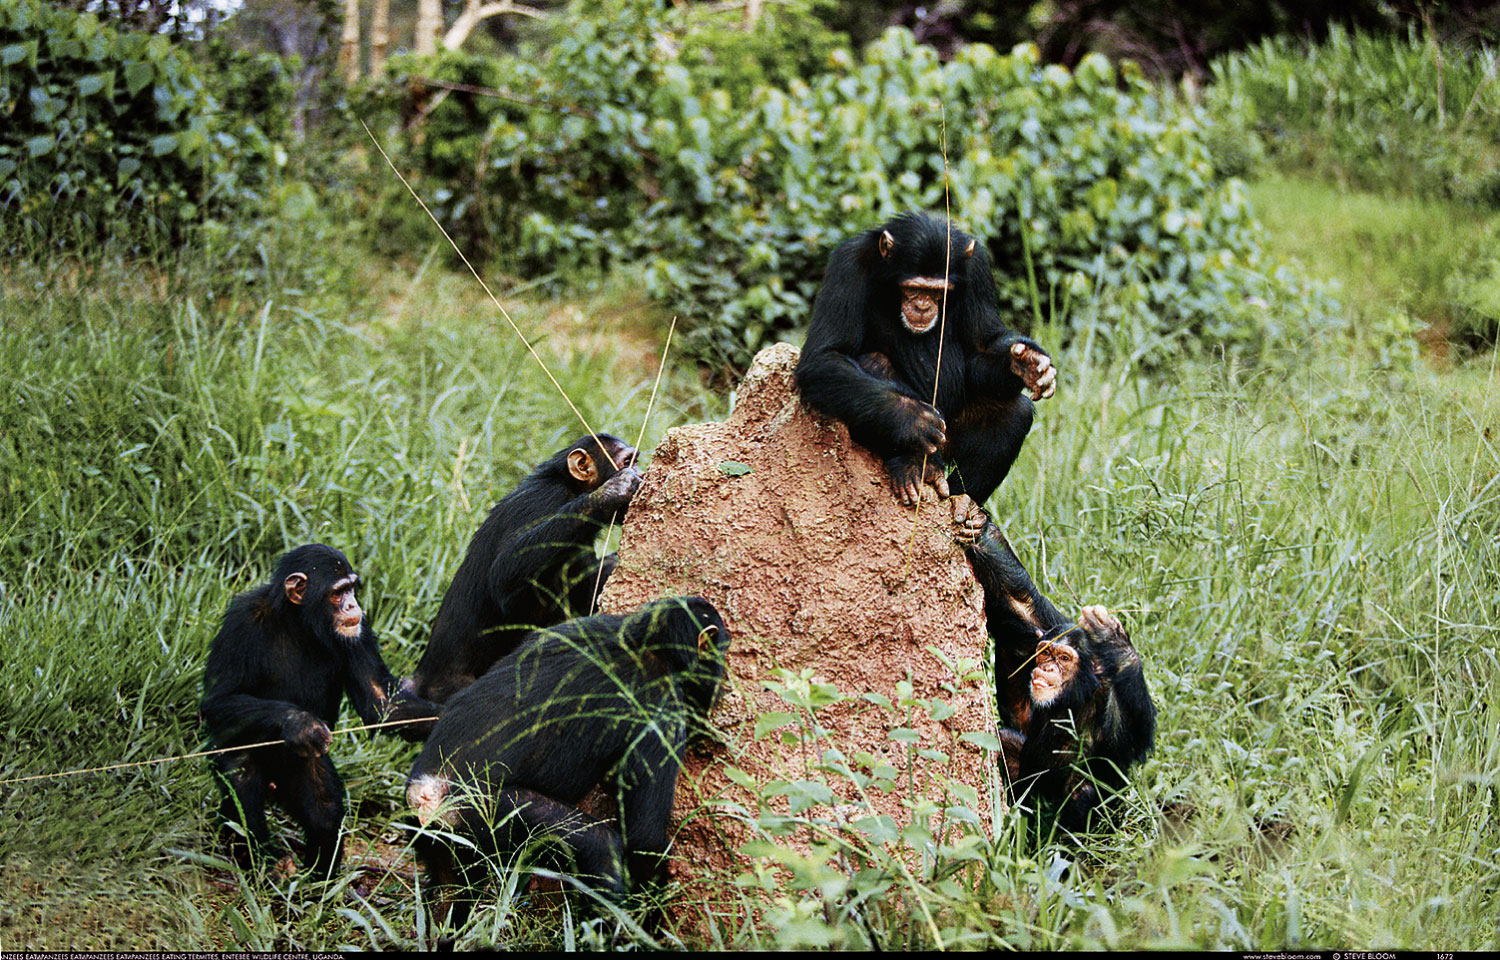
[[872, 355], [530, 565], [603, 698], [278, 669], [1081, 717]]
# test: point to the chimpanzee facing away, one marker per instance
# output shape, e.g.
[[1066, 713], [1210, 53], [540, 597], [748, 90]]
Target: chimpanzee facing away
[[278, 669], [600, 699], [530, 565], [872, 354], [1073, 697]]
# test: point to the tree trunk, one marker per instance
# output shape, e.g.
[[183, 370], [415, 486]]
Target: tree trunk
[[429, 22], [752, 13], [477, 10], [349, 43], [380, 35]]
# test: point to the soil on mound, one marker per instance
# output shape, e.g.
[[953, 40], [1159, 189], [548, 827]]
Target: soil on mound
[[791, 530]]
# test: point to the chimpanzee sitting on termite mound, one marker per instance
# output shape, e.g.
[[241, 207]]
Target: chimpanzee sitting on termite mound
[[1072, 696], [604, 699], [278, 669], [531, 564], [907, 348]]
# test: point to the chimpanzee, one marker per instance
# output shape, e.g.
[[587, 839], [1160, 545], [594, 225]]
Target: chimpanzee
[[1073, 697], [606, 698], [278, 669], [890, 296], [530, 565]]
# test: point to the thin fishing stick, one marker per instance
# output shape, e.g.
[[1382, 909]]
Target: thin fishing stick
[[500, 306], [204, 753], [660, 367], [911, 545]]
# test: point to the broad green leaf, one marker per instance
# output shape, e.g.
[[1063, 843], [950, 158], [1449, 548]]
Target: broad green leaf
[[137, 74]]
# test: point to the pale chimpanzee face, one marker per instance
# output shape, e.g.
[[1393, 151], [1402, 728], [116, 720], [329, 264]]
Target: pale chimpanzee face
[[1056, 666]]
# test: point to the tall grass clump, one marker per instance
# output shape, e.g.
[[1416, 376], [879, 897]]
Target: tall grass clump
[[1386, 112]]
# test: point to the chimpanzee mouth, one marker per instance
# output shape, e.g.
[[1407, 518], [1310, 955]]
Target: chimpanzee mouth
[[919, 313]]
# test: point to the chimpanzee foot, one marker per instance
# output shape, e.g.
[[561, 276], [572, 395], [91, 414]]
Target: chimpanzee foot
[[968, 519], [1034, 367], [909, 474]]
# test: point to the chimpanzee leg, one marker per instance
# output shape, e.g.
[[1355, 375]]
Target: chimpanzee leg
[[596, 847], [313, 795], [983, 443], [454, 873], [243, 783], [648, 788]]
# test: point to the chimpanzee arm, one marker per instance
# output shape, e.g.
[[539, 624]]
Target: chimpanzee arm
[[242, 718], [879, 416], [1003, 361], [367, 681], [1014, 609], [648, 785], [553, 539]]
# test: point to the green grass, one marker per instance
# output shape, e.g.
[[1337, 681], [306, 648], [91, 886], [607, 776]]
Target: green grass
[[1388, 253], [1308, 559]]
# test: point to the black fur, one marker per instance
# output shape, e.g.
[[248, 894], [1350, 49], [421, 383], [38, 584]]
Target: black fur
[[603, 699], [1077, 750], [278, 670], [862, 366], [531, 564]]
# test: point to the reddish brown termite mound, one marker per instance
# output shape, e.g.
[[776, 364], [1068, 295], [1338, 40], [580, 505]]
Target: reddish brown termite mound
[[791, 530]]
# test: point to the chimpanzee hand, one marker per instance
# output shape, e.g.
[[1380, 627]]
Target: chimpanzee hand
[[922, 428], [908, 474], [405, 704], [968, 519], [1105, 630], [306, 734], [1032, 364], [617, 492]]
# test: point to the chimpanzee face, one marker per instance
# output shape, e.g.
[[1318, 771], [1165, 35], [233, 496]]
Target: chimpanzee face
[[336, 602], [1054, 672], [344, 609], [921, 259]]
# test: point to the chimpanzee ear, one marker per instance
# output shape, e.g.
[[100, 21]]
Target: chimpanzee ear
[[295, 586], [581, 466], [969, 250], [706, 638], [887, 244]]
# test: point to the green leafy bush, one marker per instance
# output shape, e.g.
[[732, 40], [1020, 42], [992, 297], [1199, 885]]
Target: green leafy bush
[[609, 148], [104, 132], [1377, 111]]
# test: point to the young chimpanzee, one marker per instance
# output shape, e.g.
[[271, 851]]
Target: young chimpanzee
[[872, 354], [530, 565], [278, 669], [600, 699], [1073, 697]]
